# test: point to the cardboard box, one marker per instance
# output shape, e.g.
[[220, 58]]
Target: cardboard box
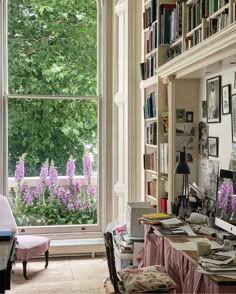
[[134, 211]]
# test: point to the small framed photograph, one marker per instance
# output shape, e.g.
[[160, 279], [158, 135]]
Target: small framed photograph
[[180, 115], [189, 116], [226, 102], [204, 109], [213, 94], [213, 145], [233, 117]]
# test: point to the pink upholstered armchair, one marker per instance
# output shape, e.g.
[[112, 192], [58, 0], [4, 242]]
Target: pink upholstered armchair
[[27, 245]]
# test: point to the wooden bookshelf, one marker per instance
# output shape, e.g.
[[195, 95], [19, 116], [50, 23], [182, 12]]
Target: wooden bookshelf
[[173, 90]]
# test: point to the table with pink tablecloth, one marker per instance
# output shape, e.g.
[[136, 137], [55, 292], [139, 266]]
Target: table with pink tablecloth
[[181, 267]]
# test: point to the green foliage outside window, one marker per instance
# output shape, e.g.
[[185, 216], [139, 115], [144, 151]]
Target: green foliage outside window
[[52, 48]]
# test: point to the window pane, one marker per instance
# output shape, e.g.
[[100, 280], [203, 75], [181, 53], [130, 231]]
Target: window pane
[[53, 161], [52, 47]]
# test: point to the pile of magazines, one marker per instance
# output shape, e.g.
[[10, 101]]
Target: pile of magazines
[[123, 243], [220, 263]]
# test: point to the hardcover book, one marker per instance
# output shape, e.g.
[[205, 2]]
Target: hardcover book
[[6, 235]]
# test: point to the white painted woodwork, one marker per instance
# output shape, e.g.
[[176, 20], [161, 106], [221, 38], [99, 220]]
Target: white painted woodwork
[[120, 105]]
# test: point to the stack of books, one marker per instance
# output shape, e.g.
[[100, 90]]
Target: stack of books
[[154, 218]]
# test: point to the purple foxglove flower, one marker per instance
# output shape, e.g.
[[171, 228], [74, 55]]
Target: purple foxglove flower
[[70, 206], [78, 204], [63, 195], [87, 163], [39, 190], [70, 170], [91, 191], [20, 170], [44, 173], [53, 176], [77, 187], [226, 187], [234, 203], [28, 197]]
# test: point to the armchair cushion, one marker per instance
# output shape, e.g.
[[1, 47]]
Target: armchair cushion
[[150, 278]]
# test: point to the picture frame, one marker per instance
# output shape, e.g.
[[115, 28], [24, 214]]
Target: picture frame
[[189, 116], [233, 117], [226, 99], [213, 95], [180, 115], [213, 146]]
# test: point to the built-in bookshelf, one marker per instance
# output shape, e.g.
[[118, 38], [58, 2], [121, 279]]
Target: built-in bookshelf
[[193, 39], [154, 95]]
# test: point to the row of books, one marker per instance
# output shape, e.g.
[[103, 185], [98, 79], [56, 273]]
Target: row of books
[[214, 5], [150, 106], [167, 35], [148, 68], [150, 161], [151, 187], [194, 16], [164, 158], [151, 38], [219, 23], [176, 22], [151, 133], [194, 39], [205, 8], [150, 14]]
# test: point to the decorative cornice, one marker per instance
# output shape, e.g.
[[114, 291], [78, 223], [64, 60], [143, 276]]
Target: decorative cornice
[[213, 49]]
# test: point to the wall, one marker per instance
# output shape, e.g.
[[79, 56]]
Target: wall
[[223, 129]]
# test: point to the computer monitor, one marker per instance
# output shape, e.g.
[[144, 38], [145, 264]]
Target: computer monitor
[[226, 201]]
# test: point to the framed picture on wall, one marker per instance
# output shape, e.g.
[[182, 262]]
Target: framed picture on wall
[[213, 94], [213, 146], [226, 102], [233, 117]]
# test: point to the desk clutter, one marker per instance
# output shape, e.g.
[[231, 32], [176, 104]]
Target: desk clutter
[[126, 248], [221, 264]]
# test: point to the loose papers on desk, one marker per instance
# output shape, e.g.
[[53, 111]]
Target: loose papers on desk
[[225, 270], [185, 228], [191, 245]]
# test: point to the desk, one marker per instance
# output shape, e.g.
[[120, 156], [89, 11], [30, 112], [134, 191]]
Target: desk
[[7, 251], [181, 266]]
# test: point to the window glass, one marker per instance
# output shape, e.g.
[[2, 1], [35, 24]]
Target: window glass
[[52, 47], [53, 161]]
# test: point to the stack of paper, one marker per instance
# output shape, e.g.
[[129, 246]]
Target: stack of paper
[[171, 223], [221, 263]]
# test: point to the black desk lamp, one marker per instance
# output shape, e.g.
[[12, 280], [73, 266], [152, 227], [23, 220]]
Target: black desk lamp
[[182, 168]]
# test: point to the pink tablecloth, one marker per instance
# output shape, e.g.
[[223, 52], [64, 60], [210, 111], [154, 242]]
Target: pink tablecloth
[[179, 266]]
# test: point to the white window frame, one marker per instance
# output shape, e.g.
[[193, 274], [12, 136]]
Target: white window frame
[[70, 231]]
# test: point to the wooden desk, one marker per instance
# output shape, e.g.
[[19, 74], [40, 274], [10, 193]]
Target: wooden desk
[[7, 252], [182, 266]]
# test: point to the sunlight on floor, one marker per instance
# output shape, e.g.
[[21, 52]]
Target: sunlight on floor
[[63, 275]]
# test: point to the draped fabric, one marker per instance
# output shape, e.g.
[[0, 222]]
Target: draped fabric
[[180, 266]]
